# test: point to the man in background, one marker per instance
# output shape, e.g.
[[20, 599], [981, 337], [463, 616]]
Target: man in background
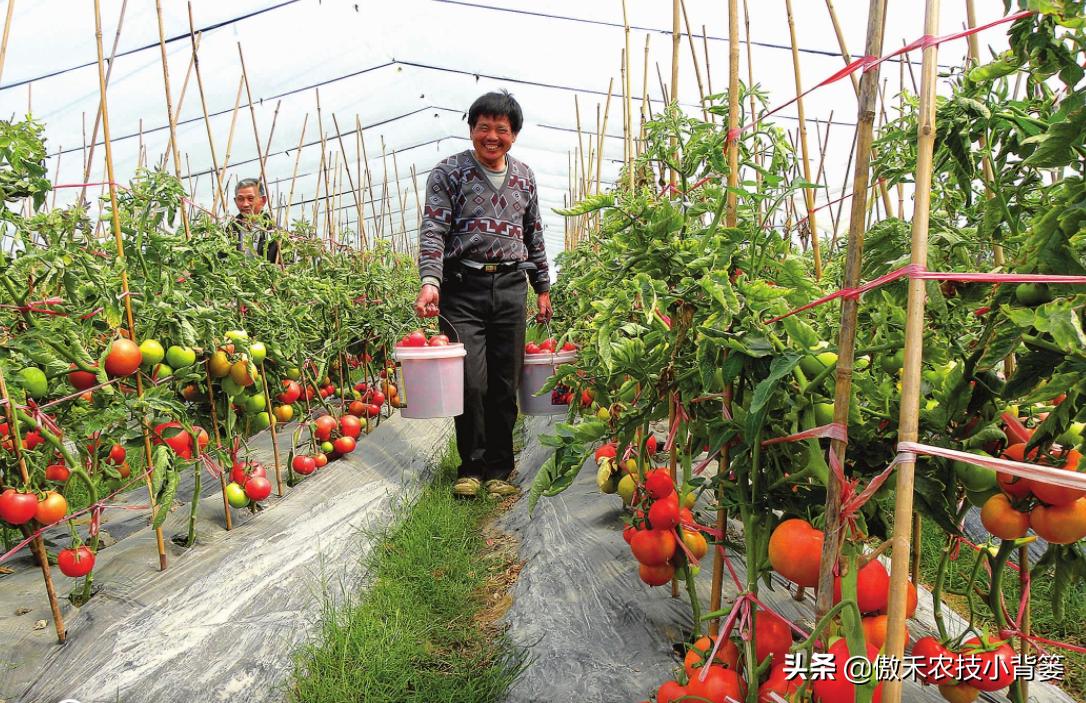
[[253, 226], [480, 244]]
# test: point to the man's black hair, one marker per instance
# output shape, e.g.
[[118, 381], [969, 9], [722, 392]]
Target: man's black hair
[[500, 104]]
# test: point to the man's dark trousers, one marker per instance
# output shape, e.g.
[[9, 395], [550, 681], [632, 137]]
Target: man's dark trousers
[[486, 312]]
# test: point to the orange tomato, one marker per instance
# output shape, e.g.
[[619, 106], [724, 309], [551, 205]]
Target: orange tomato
[[1058, 495], [1001, 519], [727, 656], [795, 550], [695, 542], [1060, 524], [52, 508], [875, 630]]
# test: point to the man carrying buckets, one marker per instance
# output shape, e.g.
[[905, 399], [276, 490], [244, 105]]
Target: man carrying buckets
[[480, 244]]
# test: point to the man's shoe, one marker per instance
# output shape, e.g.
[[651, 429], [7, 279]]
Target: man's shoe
[[466, 487], [499, 488]]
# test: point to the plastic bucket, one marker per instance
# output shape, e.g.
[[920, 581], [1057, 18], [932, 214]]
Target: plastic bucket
[[433, 380], [535, 372]]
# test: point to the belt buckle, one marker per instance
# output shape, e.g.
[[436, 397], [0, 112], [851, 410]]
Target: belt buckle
[[490, 268]]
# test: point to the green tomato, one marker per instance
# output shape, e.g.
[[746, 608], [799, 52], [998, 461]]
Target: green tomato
[[294, 373], [258, 352], [237, 335], [162, 370], [152, 352], [1032, 294], [1073, 436], [180, 357], [603, 414], [978, 498], [262, 420], [817, 363], [894, 362], [976, 479], [327, 447], [823, 413], [235, 495], [33, 381], [231, 387], [256, 403], [626, 487]]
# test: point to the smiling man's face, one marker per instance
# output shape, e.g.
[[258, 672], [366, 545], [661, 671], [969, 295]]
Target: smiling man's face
[[492, 138]]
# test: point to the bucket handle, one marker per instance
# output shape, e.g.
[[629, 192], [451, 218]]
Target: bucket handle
[[452, 327]]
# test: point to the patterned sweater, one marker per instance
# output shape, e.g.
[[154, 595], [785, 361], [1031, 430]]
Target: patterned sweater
[[465, 217]]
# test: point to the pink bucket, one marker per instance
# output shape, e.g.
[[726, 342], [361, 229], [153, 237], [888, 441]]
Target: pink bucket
[[433, 380]]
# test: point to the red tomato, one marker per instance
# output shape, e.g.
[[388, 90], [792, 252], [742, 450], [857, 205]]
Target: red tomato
[[373, 410], [258, 488], [75, 562], [608, 450], [936, 663], [124, 358], [52, 508], [357, 408], [413, 339], [719, 685], [670, 692], [727, 656], [320, 459], [795, 551], [324, 426], [1014, 486], [772, 637], [377, 397], [117, 454], [344, 445], [1058, 495], [292, 391], [439, 340], [350, 426], [173, 435], [653, 547], [81, 380], [778, 682], [658, 484], [57, 472], [987, 670], [872, 587], [656, 575], [837, 688], [17, 508], [628, 532], [531, 348], [304, 465], [664, 513]]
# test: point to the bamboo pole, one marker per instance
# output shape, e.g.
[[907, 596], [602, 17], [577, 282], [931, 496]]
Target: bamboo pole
[[297, 160], [732, 218], [627, 101], [914, 334], [986, 162], [180, 102], [169, 111], [252, 114], [675, 36], [38, 544], [694, 56], [218, 443], [855, 83], [808, 193], [646, 110], [56, 176], [356, 191], [625, 114], [98, 114], [207, 116], [271, 428], [386, 202], [330, 201], [116, 221], [229, 139], [603, 130], [4, 45], [846, 343], [366, 161]]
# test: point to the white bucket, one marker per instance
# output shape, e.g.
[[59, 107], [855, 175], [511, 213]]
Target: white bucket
[[535, 372], [433, 380]]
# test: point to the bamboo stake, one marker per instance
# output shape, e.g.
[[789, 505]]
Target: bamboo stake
[[330, 201], [694, 56], [56, 176], [180, 102], [297, 159], [418, 199], [4, 49], [808, 193], [229, 139], [646, 110], [169, 111], [855, 83], [708, 70], [324, 150], [366, 161], [386, 203], [207, 117], [625, 114], [124, 273], [914, 334], [98, 114], [603, 130], [350, 180], [627, 101], [38, 544], [675, 34], [846, 343], [986, 162], [731, 220], [218, 443], [252, 115]]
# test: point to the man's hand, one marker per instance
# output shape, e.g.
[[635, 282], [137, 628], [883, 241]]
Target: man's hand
[[426, 302], [545, 309]]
